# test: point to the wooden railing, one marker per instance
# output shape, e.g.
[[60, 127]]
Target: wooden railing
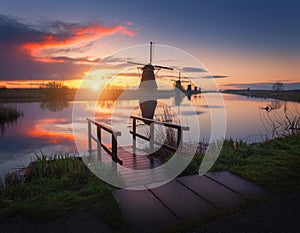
[[152, 122], [114, 142]]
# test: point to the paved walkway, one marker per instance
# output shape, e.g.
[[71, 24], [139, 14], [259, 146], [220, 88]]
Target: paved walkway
[[185, 198], [279, 215]]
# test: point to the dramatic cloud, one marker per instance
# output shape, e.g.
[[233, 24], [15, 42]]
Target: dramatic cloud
[[214, 76], [192, 70], [78, 60], [41, 49], [59, 34]]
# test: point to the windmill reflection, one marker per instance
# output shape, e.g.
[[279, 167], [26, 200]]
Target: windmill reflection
[[148, 108]]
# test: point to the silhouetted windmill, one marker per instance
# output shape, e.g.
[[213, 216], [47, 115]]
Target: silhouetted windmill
[[148, 87], [148, 71], [179, 81]]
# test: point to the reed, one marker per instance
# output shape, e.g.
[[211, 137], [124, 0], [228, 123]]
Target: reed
[[8, 114]]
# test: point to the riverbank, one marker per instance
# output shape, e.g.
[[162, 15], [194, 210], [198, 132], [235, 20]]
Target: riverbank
[[28, 95], [23, 95], [289, 95], [64, 186]]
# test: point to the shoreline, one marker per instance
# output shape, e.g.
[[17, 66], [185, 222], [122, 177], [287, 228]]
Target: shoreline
[[288, 95], [36, 95], [25, 95]]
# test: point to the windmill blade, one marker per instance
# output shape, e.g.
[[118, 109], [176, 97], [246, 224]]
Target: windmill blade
[[163, 67], [136, 63]]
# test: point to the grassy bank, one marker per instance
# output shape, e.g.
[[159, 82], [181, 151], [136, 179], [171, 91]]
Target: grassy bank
[[291, 95], [58, 187]]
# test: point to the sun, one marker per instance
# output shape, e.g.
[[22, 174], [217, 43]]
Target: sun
[[95, 86]]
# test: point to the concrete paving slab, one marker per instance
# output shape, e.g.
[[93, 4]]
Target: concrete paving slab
[[240, 185], [218, 195], [189, 196], [143, 211], [182, 202], [278, 215]]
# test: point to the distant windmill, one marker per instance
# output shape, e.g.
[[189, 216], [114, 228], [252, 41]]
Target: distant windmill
[[179, 81]]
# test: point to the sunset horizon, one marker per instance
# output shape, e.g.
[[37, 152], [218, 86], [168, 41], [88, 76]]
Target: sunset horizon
[[242, 51]]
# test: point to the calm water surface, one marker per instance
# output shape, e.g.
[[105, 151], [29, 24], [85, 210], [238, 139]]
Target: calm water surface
[[47, 127]]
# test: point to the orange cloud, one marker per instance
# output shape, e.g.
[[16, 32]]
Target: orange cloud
[[71, 35]]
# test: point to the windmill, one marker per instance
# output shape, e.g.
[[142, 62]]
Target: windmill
[[148, 87], [179, 81], [148, 72]]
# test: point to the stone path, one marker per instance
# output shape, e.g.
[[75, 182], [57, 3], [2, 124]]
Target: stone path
[[185, 198]]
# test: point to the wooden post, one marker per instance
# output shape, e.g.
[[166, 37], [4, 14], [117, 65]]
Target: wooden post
[[179, 143], [114, 151], [89, 138], [179, 135], [99, 143], [134, 135], [152, 137]]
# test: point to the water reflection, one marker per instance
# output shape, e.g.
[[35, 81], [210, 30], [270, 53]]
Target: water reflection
[[147, 100], [148, 109], [280, 118], [54, 105], [52, 131], [8, 117], [273, 105]]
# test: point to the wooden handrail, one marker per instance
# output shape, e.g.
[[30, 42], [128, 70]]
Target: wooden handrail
[[151, 139], [161, 123], [114, 134], [107, 128]]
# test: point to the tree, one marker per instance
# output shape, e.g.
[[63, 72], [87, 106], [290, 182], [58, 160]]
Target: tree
[[278, 86]]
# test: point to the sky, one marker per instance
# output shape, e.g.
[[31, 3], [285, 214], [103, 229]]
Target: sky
[[242, 43]]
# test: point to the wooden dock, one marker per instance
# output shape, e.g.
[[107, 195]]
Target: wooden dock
[[134, 166], [137, 169]]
